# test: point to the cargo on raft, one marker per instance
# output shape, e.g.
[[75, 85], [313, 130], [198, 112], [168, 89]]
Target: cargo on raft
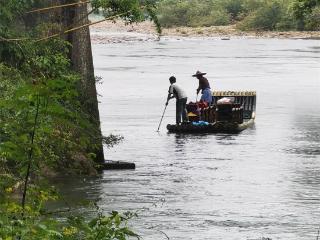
[[231, 112]]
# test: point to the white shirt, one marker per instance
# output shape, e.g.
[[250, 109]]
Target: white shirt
[[177, 91]]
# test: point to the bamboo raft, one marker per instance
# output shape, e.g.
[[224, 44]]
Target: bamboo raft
[[232, 117]]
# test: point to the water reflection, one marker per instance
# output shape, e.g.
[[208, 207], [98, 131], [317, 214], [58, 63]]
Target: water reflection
[[226, 139], [180, 141], [306, 138]]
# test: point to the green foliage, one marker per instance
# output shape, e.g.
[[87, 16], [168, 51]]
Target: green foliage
[[312, 21], [287, 21], [31, 223], [282, 15], [9, 11], [129, 10], [173, 13], [265, 18], [47, 88], [202, 13], [252, 5], [248, 14], [100, 227], [234, 8], [302, 9]]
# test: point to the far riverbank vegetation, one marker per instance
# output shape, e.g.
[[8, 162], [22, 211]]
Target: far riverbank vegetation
[[247, 15]]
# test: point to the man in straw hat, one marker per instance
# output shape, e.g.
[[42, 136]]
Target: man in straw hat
[[204, 86], [181, 100]]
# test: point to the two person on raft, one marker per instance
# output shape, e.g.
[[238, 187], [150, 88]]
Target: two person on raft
[[175, 91]]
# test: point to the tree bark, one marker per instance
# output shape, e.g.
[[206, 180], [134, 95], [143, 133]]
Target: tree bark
[[82, 62], [81, 59], [80, 55]]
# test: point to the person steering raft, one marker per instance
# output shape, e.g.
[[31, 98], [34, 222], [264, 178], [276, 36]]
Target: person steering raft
[[181, 100], [204, 86]]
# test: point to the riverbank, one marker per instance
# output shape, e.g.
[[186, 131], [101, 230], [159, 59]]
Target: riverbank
[[109, 32]]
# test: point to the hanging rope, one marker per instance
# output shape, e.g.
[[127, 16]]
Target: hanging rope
[[2, 39], [57, 6], [68, 30], [82, 26], [64, 32]]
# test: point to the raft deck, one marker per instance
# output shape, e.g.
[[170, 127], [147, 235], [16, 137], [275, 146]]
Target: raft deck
[[217, 127]]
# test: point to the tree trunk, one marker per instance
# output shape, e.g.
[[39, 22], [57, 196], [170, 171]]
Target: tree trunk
[[80, 55], [82, 62]]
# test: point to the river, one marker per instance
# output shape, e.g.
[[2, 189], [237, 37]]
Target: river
[[261, 183]]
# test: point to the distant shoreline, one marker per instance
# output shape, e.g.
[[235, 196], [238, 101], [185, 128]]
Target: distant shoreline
[[108, 32]]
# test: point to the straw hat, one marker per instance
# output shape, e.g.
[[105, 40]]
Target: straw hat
[[198, 73]]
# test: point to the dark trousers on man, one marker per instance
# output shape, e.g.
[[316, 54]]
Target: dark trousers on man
[[181, 110]]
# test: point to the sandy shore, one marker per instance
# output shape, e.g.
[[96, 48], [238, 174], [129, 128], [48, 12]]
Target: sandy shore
[[109, 32]]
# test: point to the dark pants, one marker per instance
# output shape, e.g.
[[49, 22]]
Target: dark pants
[[181, 110]]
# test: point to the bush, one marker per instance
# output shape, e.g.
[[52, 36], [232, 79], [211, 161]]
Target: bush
[[250, 6], [215, 18], [265, 18], [303, 12], [287, 21], [172, 13], [32, 223], [234, 8], [202, 13], [312, 21], [252, 14]]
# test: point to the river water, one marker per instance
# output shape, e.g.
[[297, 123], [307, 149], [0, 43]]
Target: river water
[[261, 183]]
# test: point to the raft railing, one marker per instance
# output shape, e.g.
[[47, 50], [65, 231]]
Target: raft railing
[[246, 99]]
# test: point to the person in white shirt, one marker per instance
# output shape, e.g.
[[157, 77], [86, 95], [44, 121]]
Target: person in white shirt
[[181, 100]]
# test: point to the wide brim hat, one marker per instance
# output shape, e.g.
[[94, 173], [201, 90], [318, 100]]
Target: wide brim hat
[[198, 73]]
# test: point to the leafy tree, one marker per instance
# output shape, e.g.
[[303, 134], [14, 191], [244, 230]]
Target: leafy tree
[[129, 10], [234, 8], [202, 13], [301, 10], [312, 21], [264, 18]]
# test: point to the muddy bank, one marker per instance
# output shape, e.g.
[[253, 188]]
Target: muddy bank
[[109, 32]]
